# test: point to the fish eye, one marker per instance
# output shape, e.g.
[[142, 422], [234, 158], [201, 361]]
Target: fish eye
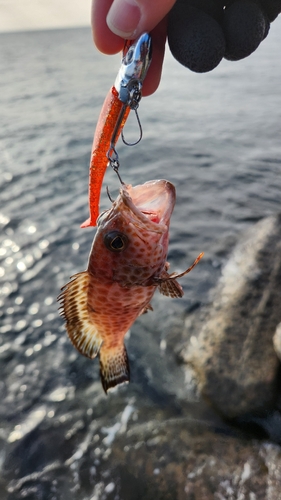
[[115, 241], [129, 56]]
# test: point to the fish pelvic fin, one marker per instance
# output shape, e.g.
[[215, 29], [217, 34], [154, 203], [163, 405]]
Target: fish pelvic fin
[[146, 308], [114, 366], [81, 331]]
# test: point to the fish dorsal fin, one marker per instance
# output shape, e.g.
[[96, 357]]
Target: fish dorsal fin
[[81, 331], [114, 366]]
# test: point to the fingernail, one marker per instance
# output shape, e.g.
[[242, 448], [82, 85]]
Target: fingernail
[[123, 17]]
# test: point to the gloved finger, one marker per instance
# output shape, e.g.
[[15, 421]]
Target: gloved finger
[[245, 25], [202, 32], [195, 36]]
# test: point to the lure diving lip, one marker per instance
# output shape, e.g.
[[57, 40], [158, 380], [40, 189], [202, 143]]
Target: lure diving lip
[[121, 98]]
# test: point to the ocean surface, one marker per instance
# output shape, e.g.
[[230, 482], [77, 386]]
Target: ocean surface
[[216, 136]]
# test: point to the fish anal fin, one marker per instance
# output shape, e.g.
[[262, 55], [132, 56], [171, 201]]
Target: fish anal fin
[[81, 331], [114, 366], [146, 308]]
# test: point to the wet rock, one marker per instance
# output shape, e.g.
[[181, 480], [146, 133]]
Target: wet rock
[[183, 459], [233, 360], [277, 341]]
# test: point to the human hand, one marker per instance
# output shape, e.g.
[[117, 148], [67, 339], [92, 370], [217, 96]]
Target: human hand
[[200, 32]]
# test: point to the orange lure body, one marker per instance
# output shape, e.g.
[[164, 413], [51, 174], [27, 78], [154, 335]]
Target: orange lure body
[[110, 112]]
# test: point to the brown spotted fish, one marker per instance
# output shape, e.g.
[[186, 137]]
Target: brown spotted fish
[[127, 263]]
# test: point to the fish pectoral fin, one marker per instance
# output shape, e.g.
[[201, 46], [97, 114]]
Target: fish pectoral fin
[[114, 366], [81, 331], [167, 283], [169, 286], [146, 308]]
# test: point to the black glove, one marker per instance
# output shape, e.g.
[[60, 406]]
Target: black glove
[[202, 32]]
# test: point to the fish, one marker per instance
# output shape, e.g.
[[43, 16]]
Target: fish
[[127, 263], [122, 97]]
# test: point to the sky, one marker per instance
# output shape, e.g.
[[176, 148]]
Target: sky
[[21, 15]]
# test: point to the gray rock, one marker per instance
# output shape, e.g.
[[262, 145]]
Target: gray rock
[[181, 459], [277, 341], [233, 359]]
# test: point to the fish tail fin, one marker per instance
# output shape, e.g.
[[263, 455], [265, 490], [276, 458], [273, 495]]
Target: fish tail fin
[[114, 366], [81, 331]]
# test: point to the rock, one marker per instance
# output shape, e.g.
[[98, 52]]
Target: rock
[[277, 341], [232, 358], [183, 459]]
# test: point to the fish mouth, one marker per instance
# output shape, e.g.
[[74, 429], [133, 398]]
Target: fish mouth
[[152, 203]]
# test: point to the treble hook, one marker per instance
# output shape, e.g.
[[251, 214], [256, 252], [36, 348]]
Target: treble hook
[[109, 195], [140, 131], [113, 160]]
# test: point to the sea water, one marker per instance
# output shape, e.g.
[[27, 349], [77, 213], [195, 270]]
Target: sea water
[[216, 136]]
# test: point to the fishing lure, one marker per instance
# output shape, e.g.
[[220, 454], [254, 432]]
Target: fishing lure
[[123, 97]]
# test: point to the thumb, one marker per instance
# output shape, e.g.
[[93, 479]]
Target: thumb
[[130, 18]]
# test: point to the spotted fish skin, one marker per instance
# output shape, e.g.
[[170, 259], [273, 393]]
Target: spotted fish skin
[[127, 263]]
